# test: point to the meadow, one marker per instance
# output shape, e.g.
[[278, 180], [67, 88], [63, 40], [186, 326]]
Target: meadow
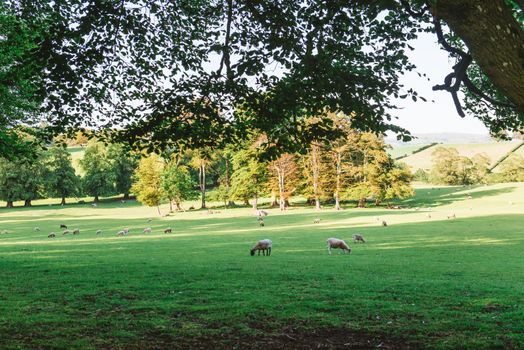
[[419, 283]]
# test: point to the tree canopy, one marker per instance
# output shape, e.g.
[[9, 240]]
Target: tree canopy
[[163, 74]]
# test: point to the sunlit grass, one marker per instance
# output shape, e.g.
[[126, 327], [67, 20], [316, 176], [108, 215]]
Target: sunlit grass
[[435, 283]]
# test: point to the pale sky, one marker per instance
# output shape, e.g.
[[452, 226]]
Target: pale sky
[[429, 117]]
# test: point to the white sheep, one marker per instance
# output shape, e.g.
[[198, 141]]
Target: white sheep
[[76, 231], [316, 221], [126, 230], [98, 232], [264, 245], [452, 216], [121, 233], [66, 232], [147, 230], [335, 243], [37, 229], [260, 213], [384, 223], [4, 232], [358, 238], [428, 216]]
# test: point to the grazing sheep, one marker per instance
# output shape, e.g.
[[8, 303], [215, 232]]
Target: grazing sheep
[[510, 203], [51, 235], [316, 221], [149, 220], [428, 216], [98, 232], [191, 208], [261, 223], [335, 243], [264, 245], [261, 213], [94, 205], [358, 238], [121, 233], [452, 216], [147, 230], [123, 201], [4, 232], [384, 223], [62, 226], [126, 230], [66, 232], [37, 229], [168, 230], [76, 231]]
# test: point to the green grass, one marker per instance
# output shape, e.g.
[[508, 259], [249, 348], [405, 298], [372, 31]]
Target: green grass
[[399, 151], [419, 283]]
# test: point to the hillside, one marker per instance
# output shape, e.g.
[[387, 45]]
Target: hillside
[[493, 150]]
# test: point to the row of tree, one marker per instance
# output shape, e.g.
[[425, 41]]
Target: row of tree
[[107, 171]]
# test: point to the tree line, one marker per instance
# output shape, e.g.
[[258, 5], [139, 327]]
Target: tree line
[[355, 166]]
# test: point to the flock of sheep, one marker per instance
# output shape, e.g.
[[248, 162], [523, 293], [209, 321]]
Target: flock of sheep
[[263, 246], [76, 231]]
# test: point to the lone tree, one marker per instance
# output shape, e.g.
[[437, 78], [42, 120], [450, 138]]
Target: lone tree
[[177, 184], [147, 185], [98, 178], [320, 52], [60, 178], [123, 164]]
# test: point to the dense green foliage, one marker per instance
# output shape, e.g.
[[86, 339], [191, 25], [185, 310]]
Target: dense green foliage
[[59, 175]]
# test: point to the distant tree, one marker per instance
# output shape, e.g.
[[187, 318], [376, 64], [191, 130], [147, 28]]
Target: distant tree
[[284, 177], [9, 182], [250, 175], [177, 184], [60, 178], [147, 184], [450, 168], [317, 173], [421, 175], [98, 177], [123, 164], [21, 179], [200, 160], [512, 169]]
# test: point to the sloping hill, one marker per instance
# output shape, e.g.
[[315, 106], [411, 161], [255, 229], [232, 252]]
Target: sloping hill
[[493, 150]]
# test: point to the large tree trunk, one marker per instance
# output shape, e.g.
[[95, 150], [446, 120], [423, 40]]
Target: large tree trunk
[[246, 201], [362, 203], [126, 196], [338, 175], [315, 167], [202, 178], [10, 204], [27, 203], [255, 202], [228, 183], [170, 205], [494, 38], [63, 202], [273, 199], [96, 199], [281, 189]]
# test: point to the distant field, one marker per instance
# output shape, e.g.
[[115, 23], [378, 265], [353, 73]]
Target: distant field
[[419, 283], [494, 151], [399, 151]]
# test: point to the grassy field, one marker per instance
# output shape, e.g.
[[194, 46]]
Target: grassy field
[[418, 283], [493, 150], [399, 151]]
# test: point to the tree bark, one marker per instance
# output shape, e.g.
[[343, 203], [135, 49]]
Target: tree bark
[[338, 175], [9, 204], [315, 167], [273, 199], [202, 178], [158, 209], [170, 205], [126, 196], [63, 202], [96, 199], [255, 202], [246, 201], [27, 203], [494, 38]]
